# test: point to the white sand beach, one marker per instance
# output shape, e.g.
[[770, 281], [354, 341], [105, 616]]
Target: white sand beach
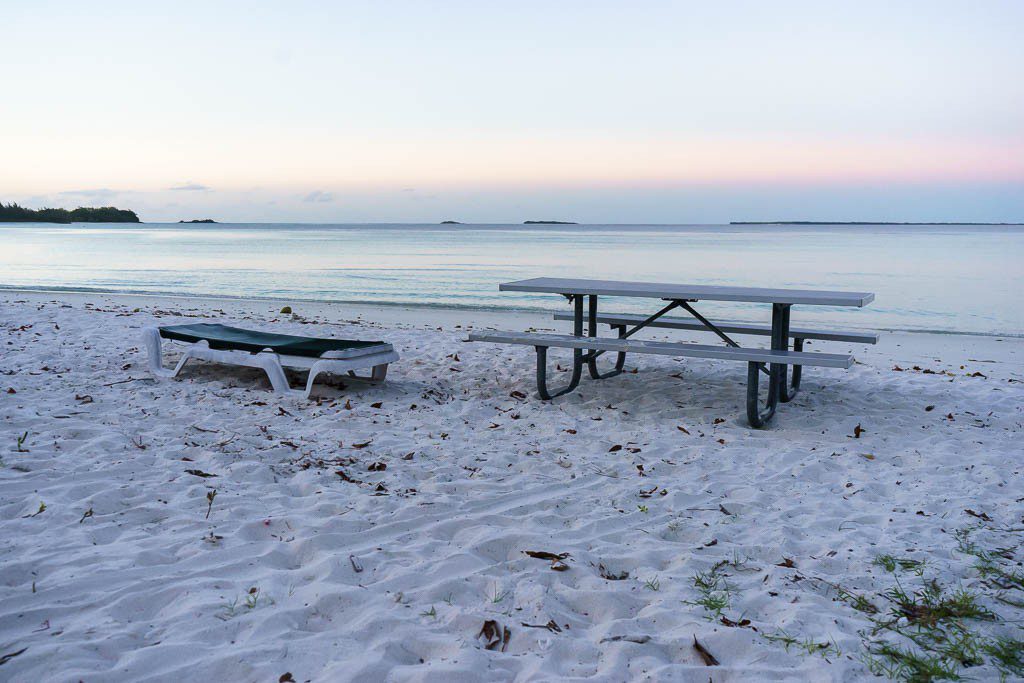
[[208, 529]]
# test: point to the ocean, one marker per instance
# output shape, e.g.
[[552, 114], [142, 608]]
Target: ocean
[[944, 278]]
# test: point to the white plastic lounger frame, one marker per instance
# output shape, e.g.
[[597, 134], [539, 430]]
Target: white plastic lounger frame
[[273, 364]]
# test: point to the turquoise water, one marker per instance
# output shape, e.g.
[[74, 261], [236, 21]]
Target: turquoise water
[[949, 278]]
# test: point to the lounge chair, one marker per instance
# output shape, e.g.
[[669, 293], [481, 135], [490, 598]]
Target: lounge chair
[[270, 352]]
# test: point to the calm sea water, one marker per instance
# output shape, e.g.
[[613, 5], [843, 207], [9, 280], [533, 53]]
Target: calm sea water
[[949, 278]]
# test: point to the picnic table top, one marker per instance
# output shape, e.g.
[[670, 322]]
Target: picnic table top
[[661, 290]]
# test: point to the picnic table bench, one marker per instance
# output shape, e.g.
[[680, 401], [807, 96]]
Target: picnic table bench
[[773, 362]]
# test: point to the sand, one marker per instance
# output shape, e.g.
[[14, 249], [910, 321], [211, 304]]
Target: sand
[[205, 528]]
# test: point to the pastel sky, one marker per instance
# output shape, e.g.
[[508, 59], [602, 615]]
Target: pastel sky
[[625, 112]]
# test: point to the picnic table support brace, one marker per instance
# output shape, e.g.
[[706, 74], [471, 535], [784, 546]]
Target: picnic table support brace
[[756, 416], [623, 332]]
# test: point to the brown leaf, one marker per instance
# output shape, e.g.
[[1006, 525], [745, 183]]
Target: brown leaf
[[983, 515], [786, 562], [496, 635], [287, 676], [683, 429], [615, 448], [648, 493], [612, 576], [707, 657], [742, 623], [929, 409], [348, 404], [719, 420], [378, 404], [857, 431], [545, 555], [345, 477], [11, 390], [199, 473], [362, 445], [377, 466], [518, 395], [570, 431], [551, 626], [84, 399], [11, 655], [629, 639]]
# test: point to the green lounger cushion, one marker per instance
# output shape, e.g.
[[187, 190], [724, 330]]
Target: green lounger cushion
[[222, 337]]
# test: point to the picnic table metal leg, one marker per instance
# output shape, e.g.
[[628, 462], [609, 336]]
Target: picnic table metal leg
[[757, 416], [620, 358], [577, 357], [792, 388]]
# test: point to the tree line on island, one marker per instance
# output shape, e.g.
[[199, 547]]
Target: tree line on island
[[13, 213]]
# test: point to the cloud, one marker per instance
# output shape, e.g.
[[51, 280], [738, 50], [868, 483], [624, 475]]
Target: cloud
[[97, 193], [318, 196], [191, 187]]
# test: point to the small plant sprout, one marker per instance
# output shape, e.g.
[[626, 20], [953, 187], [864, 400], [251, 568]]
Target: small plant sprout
[[715, 591], [642, 508], [653, 584], [892, 564], [210, 495], [497, 596], [449, 599], [807, 645], [21, 443], [432, 612]]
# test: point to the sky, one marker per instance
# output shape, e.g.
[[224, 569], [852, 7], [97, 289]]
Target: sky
[[600, 112]]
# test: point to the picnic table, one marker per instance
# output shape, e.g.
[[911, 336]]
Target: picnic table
[[773, 362]]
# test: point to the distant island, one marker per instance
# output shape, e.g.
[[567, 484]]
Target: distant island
[[450, 223], [199, 220], [549, 223], [856, 223], [12, 213]]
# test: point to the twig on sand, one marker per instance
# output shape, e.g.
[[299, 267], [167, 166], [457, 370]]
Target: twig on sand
[[130, 379], [203, 429], [709, 659]]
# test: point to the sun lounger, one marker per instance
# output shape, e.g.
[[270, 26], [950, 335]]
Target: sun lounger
[[270, 352]]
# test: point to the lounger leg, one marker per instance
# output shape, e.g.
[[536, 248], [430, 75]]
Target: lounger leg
[[154, 354], [269, 363], [379, 373], [542, 373]]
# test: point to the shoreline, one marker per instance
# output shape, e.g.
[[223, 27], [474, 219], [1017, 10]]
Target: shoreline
[[541, 316]]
